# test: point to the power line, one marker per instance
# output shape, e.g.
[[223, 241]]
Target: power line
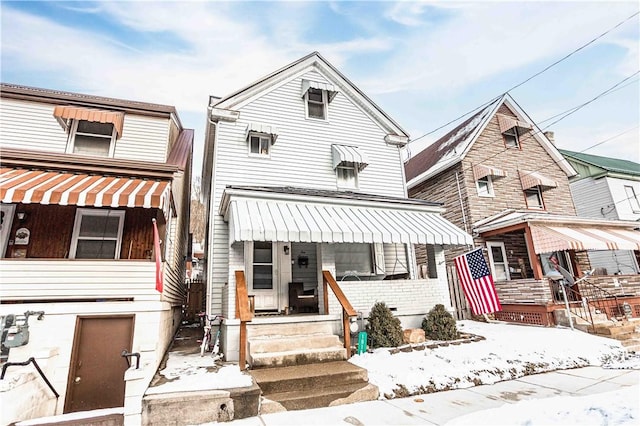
[[530, 78]]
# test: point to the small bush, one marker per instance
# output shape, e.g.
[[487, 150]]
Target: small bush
[[383, 328], [440, 324]]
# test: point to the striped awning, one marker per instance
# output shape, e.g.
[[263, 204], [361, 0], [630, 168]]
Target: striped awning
[[531, 179], [349, 154], [507, 123], [47, 187], [310, 84], [266, 129], [480, 171], [296, 221], [63, 113], [547, 239]]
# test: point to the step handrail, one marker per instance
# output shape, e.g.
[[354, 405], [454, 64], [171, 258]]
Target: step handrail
[[244, 314], [347, 309], [35, 364]]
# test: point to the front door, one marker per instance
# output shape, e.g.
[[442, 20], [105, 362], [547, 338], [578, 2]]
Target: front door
[[96, 373], [264, 275], [498, 261]]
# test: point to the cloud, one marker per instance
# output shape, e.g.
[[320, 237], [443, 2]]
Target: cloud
[[406, 13]]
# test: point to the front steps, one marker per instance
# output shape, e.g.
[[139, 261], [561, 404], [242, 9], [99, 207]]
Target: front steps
[[317, 385]]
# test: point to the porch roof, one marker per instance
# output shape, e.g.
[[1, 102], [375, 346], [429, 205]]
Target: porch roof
[[259, 216], [66, 188]]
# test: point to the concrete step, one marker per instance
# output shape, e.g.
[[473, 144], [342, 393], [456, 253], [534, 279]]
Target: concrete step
[[288, 329], [266, 344], [635, 341], [315, 398], [615, 329], [297, 357]]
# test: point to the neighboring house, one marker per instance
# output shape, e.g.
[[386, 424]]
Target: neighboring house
[[305, 187], [504, 181], [607, 188], [82, 180]]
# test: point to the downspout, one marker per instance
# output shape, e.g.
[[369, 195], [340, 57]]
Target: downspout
[[464, 216]]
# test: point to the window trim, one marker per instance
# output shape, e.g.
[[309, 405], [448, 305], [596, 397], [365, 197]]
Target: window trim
[[96, 212], [325, 103], [490, 191], [500, 245], [71, 141], [261, 136], [539, 192], [512, 132], [631, 195], [343, 184], [372, 262]]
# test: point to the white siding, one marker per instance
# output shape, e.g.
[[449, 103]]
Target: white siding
[[591, 197], [143, 138], [623, 207], [30, 125]]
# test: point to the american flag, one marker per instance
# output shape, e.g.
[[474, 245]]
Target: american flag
[[477, 282]]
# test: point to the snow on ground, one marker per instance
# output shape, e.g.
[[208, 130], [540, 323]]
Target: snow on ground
[[610, 408], [509, 351]]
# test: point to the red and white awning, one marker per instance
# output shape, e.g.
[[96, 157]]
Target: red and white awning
[[480, 171], [507, 123], [63, 113], [50, 187], [547, 239], [531, 179]]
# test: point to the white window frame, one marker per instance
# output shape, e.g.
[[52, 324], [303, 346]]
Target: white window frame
[[374, 255], [74, 131], [633, 198], [96, 212], [538, 193], [347, 184], [262, 137], [512, 132], [492, 263], [489, 192], [325, 103]]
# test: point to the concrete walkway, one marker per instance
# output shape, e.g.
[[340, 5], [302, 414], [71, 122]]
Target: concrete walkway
[[441, 407]]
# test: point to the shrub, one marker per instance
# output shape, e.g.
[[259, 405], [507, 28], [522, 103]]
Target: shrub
[[383, 328], [440, 324]]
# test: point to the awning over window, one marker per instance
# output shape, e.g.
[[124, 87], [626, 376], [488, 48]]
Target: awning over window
[[349, 154], [43, 187], [553, 238], [310, 84], [267, 129], [507, 123], [254, 219], [63, 113], [531, 179], [480, 171]]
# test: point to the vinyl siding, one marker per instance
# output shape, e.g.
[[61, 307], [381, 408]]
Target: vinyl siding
[[30, 125], [143, 138], [591, 197]]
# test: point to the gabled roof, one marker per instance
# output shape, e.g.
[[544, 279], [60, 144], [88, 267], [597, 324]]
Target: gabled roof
[[607, 164], [451, 148], [241, 97]]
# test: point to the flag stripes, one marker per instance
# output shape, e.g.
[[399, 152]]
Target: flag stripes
[[477, 283]]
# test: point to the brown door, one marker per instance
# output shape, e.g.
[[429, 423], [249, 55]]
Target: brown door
[[96, 373]]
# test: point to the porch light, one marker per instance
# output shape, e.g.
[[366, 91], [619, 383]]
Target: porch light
[[21, 216]]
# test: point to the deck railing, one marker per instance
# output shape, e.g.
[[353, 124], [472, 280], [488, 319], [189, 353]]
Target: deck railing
[[347, 309], [244, 314]]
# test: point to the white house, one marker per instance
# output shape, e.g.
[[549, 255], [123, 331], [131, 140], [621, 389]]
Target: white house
[[306, 194], [82, 183]]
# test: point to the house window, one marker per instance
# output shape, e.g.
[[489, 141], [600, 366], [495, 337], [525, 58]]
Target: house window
[[511, 139], [316, 101], [633, 198], [259, 144], [262, 265], [97, 234], [92, 138], [347, 175], [498, 261], [533, 197], [485, 187], [353, 260]]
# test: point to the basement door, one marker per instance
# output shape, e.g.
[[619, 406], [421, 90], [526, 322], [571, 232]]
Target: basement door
[[96, 373]]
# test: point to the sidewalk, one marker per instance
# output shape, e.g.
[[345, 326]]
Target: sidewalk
[[441, 407]]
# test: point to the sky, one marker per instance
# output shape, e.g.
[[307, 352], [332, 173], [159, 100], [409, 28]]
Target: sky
[[424, 63]]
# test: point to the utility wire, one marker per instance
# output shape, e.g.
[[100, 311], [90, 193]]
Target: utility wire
[[530, 78]]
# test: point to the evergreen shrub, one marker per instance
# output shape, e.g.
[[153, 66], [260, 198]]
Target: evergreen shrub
[[440, 324], [383, 328]]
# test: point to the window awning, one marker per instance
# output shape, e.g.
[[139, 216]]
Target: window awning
[[553, 238], [63, 113], [480, 171], [349, 154], [310, 84], [262, 128], [255, 219], [531, 179], [47, 187], [507, 123]]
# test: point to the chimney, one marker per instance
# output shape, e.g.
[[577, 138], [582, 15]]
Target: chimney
[[551, 136]]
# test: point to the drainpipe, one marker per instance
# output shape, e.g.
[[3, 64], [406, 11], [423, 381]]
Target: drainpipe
[[464, 216]]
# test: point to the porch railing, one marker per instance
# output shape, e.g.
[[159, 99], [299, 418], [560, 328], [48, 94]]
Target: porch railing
[[347, 309], [244, 314]]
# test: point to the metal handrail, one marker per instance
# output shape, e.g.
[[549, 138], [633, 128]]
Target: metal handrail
[[35, 364]]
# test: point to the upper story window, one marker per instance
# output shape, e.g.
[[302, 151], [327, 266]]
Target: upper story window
[[533, 197], [484, 186], [92, 138], [348, 162], [316, 104], [259, 144], [97, 234], [511, 139], [347, 175], [512, 130], [533, 183], [260, 137], [633, 198]]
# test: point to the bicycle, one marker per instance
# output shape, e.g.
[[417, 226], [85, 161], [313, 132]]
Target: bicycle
[[207, 338]]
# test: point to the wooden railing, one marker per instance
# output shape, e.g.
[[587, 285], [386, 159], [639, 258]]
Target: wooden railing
[[347, 309], [244, 314]]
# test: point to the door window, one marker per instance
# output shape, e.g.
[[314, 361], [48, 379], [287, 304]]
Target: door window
[[262, 265], [498, 261]]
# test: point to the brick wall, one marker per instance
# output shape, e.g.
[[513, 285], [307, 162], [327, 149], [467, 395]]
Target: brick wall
[[618, 285], [528, 291]]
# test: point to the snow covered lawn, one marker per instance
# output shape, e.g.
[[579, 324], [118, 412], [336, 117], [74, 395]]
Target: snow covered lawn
[[508, 351]]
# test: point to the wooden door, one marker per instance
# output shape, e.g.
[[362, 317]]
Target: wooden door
[[96, 373]]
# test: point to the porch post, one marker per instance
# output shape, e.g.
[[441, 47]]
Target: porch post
[[533, 259]]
